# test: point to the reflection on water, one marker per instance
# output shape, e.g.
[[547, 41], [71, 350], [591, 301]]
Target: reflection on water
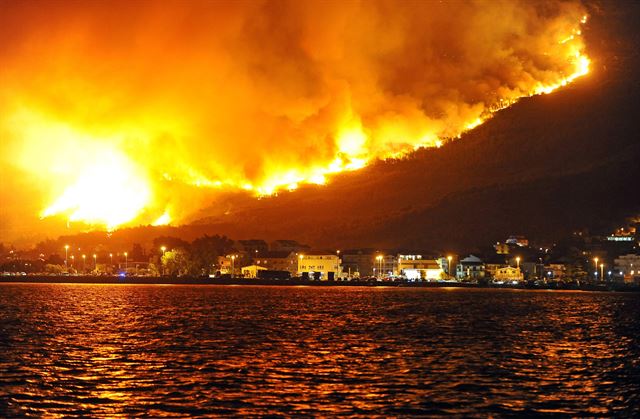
[[122, 351]]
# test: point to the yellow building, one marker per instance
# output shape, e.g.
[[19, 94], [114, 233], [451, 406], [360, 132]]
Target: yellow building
[[319, 266], [251, 271], [508, 273]]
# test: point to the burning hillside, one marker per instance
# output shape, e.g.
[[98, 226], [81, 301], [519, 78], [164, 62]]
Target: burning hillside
[[116, 113]]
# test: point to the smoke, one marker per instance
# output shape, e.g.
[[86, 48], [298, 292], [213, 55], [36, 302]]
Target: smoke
[[256, 95]]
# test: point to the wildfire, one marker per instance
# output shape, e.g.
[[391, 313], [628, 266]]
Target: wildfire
[[125, 135], [110, 192]]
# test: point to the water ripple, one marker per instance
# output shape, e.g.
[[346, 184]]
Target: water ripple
[[178, 351]]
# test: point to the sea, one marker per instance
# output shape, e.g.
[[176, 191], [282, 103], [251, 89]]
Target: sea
[[91, 350]]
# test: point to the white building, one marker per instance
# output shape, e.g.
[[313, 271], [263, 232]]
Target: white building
[[470, 267], [319, 266], [414, 267]]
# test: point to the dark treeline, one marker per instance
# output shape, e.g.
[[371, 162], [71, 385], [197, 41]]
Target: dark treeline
[[165, 255]]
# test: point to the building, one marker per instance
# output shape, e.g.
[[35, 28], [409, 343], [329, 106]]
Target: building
[[251, 271], [491, 268], [470, 268], [502, 248], [532, 270], [231, 264], [278, 261], [555, 270], [319, 266], [358, 262], [448, 265], [508, 274], [622, 234], [385, 266], [492, 263], [224, 264], [520, 241], [628, 266], [415, 267]]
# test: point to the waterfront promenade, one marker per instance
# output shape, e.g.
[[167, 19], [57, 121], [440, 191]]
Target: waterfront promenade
[[296, 281]]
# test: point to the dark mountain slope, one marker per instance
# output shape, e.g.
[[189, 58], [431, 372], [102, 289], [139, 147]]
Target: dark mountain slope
[[518, 167]]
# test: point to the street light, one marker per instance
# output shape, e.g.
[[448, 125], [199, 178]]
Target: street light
[[233, 265], [111, 259], [595, 259], [449, 258], [84, 263], [66, 256], [300, 257], [602, 272], [518, 262], [95, 262], [379, 259], [73, 259], [126, 261]]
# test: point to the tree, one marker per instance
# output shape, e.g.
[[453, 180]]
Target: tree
[[205, 251], [55, 259], [178, 262], [51, 268], [137, 253], [169, 243]]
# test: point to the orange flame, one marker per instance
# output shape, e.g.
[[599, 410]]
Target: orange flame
[[114, 140]]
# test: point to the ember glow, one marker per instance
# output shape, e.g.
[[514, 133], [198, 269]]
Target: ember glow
[[114, 113]]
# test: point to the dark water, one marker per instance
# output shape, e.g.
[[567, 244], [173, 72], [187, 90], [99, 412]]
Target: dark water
[[117, 350]]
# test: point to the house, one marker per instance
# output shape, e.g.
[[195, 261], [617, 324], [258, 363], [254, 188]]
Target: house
[[319, 266], [251, 271], [471, 268], [415, 267], [508, 274]]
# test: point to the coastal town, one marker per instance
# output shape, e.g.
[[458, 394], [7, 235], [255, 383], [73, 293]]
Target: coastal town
[[582, 258]]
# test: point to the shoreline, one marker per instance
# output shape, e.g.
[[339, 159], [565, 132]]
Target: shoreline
[[115, 280]]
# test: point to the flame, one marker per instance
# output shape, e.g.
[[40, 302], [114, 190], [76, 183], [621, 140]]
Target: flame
[[143, 145], [164, 219], [111, 192], [104, 185]]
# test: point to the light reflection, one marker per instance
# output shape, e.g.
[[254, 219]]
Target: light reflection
[[116, 350]]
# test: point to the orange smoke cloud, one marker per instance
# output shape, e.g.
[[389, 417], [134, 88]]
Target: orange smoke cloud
[[111, 112]]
